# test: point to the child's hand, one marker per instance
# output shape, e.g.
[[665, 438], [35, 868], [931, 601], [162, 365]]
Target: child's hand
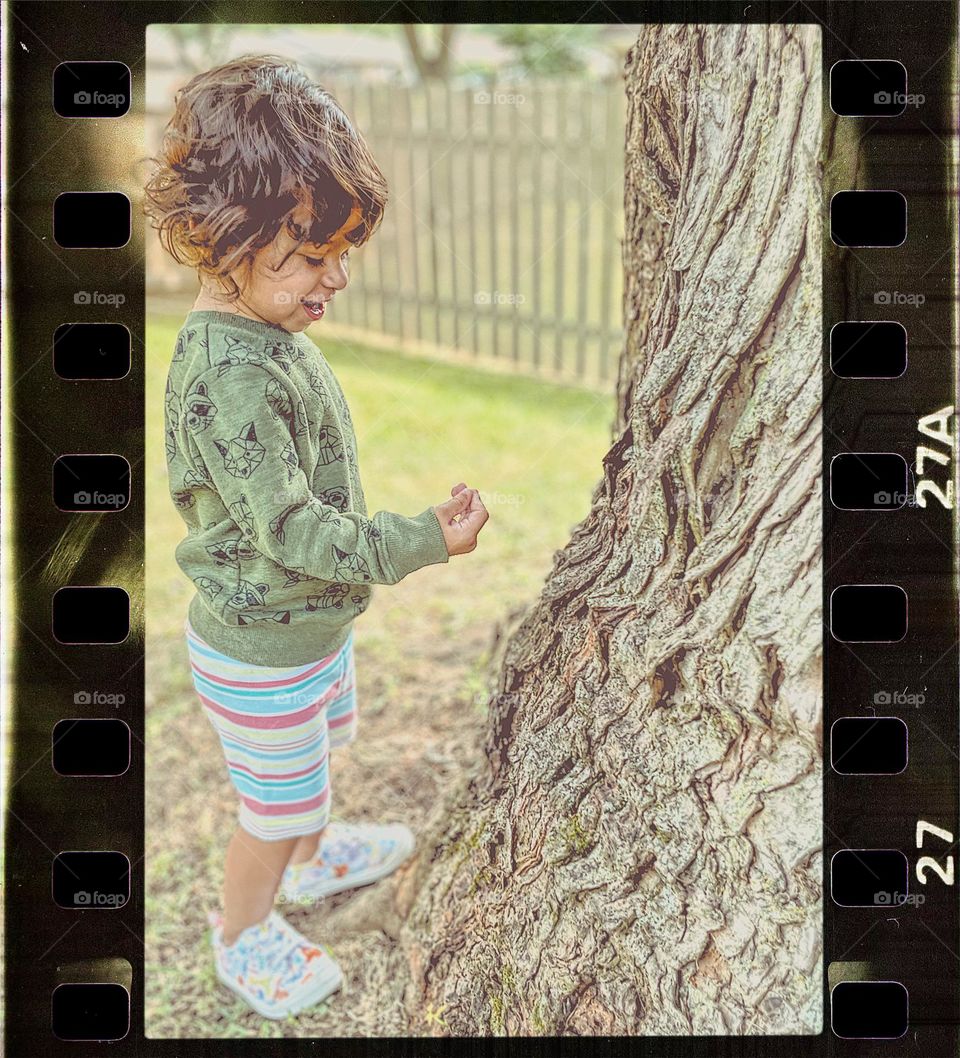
[[460, 536]]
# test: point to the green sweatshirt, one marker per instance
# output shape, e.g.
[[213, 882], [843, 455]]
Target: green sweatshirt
[[262, 465]]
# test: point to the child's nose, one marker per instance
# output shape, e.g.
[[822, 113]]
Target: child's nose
[[337, 277]]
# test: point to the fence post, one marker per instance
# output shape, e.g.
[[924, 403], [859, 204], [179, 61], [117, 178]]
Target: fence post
[[587, 166], [560, 97], [411, 154], [452, 201], [398, 241], [537, 210], [514, 232], [611, 96], [470, 108], [494, 203], [373, 110], [427, 88]]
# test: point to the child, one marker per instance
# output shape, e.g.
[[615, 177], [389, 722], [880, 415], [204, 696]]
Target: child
[[263, 185]]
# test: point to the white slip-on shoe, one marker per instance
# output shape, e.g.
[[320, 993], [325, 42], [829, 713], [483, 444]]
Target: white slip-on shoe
[[274, 967], [349, 855]]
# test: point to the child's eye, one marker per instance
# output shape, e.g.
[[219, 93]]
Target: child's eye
[[317, 261]]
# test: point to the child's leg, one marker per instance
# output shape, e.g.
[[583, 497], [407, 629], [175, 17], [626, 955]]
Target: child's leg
[[306, 847], [272, 726], [341, 719], [252, 874]]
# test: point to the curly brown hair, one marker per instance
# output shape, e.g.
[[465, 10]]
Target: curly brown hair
[[250, 141]]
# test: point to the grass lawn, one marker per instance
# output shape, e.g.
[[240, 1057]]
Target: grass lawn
[[533, 449]]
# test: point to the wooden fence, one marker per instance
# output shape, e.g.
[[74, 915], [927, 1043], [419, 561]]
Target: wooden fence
[[502, 235]]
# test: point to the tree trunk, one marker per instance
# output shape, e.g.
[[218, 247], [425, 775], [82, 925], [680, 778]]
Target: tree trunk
[[437, 66], [638, 850]]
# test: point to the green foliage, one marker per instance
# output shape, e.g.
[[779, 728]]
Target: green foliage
[[548, 49], [480, 879], [576, 836], [496, 1014]]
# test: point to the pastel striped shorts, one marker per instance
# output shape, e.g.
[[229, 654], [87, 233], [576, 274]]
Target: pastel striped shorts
[[276, 726]]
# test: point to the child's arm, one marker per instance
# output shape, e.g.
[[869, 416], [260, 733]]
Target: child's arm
[[248, 452]]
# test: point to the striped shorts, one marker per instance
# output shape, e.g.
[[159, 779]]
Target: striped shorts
[[276, 727]]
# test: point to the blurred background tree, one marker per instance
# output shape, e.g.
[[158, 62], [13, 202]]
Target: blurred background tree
[[436, 66], [546, 50]]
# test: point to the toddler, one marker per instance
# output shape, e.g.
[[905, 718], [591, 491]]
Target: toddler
[[263, 185]]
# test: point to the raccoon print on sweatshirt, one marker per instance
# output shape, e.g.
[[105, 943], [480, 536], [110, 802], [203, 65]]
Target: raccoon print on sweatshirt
[[337, 497], [330, 597], [199, 409], [241, 454], [231, 552], [209, 587], [281, 617], [248, 595], [329, 445], [350, 567], [284, 355], [237, 352]]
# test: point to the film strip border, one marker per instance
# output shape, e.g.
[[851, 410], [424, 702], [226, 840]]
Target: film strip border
[[890, 599], [74, 884]]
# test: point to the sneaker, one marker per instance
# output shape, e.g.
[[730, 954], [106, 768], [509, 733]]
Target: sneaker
[[274, 967], [349, 854]]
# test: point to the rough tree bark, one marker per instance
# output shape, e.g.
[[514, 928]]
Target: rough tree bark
[[638, 849]]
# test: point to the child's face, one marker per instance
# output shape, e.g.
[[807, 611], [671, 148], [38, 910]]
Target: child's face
[[294, 297]]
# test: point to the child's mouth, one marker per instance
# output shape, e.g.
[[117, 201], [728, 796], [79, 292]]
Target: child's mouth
[[314, 310]]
